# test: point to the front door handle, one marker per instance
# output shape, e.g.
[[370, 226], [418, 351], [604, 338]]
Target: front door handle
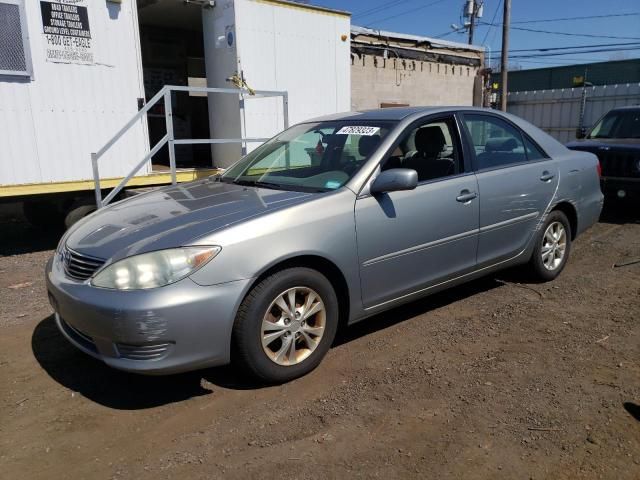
[[546, 176], [466, 196]]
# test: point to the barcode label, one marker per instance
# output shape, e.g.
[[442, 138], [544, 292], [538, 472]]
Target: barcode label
[[354, 130]]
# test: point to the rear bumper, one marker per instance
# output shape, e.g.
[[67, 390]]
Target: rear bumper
[[180, 327]]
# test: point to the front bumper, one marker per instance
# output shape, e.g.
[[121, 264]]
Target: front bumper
[[171, 329], [613, 186]]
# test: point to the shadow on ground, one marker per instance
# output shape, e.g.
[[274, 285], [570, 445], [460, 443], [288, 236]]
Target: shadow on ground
[[18, 237], [620, 211], [127, 391], [632, 409], [104, 385]]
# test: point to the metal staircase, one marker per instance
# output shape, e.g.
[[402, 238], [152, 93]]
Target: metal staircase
[[165, 94]]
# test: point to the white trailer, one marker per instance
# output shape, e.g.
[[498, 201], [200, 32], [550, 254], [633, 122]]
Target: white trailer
[[74, 72], [275, 45]]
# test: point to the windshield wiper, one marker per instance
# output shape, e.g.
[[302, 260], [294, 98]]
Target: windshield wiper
[[259, 184]]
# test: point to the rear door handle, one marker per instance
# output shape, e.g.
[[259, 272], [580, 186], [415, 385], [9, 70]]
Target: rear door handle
[[466, 196], [546, 176]]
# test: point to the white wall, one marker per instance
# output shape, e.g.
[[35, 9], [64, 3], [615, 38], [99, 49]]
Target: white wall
[[279, 47], [50, 124]]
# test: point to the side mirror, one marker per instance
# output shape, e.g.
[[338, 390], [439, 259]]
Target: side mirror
[[581, 132], [394, 179]]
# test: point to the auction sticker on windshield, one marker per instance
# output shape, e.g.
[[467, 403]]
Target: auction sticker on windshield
[[354, 130]]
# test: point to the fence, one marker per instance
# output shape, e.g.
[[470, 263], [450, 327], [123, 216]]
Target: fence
[[557, 112]]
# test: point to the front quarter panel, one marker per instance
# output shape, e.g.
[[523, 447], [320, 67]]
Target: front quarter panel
[[323, 226]]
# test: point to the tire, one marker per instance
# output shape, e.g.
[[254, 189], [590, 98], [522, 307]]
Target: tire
[[555, 255], [260, 315], [78, 212]]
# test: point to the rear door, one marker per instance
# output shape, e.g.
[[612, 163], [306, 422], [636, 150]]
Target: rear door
[[516, 180]]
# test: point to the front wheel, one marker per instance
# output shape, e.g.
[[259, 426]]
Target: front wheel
[[286, 325], [552, 247]]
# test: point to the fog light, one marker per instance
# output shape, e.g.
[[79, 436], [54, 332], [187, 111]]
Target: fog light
[[622, 194]]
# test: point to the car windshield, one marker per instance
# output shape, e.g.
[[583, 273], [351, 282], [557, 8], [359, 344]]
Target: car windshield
[[618, 124], [311, 157]]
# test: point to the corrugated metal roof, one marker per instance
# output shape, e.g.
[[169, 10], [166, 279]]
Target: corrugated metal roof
[[601, 73]]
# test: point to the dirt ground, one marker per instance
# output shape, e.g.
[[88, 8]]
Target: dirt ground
[[494, 379]]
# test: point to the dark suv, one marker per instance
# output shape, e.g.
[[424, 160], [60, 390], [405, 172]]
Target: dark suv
[[615, 139]]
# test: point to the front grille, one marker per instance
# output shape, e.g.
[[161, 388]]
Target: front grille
[[616, 164], [78, 266], [142, 352]]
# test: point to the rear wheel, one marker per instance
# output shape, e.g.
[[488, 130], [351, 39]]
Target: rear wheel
[[552, 247], [286, 325]]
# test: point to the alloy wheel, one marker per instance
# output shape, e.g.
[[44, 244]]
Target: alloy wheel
[[293, 326], [554, 245]]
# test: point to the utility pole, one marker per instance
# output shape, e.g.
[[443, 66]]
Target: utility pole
[[504, 60], [472, 22], [472, 10]]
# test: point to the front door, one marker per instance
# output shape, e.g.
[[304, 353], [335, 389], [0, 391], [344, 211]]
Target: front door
[[410, 240], [516, 182]]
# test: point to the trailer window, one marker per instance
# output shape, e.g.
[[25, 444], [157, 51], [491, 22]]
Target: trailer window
[[15, 58]]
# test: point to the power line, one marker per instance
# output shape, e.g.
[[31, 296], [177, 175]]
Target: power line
[[556, 54], [493, 19], [405, 12], [550, 62], [442, 35], [579, 61], [596, 45], [566, 19], [570, 34], [379, 8]]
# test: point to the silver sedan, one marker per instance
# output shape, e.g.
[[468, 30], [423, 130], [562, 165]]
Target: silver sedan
[[328, 223]]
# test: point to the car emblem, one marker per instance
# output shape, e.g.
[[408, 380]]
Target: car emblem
[[605, 148], [64, 257]]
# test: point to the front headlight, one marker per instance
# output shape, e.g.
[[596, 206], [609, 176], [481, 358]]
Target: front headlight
[[154, 269]]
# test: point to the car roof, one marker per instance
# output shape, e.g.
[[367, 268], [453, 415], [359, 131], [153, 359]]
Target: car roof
[[628, 107], [398, 114], [394, 113]]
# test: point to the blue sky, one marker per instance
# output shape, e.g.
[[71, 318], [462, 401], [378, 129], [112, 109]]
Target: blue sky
[[416, 17]]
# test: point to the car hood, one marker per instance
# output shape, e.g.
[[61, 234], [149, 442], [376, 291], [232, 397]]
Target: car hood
[[603, 144], [173, 216]]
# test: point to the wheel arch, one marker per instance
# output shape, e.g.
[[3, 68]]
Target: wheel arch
[[571, 213], [321, 264]]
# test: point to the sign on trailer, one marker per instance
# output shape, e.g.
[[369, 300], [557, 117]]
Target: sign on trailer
[[65, 26]]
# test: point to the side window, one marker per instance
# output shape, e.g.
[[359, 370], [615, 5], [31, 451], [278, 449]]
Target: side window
[[430, 149], [533, 151], [15, 59], [496, 142]]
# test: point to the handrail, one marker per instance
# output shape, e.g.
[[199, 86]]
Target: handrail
[[165, 92]]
